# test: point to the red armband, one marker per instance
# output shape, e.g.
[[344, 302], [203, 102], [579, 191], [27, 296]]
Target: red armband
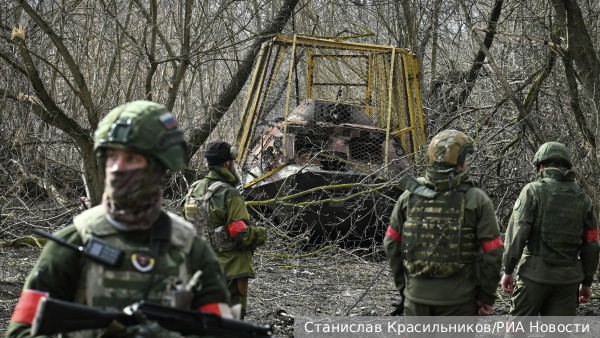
[[236, 227], [492, 245], [393, 234], [220, 309], [590, 235], [27, 306]]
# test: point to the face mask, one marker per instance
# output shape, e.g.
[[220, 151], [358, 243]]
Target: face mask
[[133, 198]]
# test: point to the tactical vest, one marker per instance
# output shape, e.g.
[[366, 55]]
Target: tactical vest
[[558, 228], [113, 288], [197, 211], [435, 241]]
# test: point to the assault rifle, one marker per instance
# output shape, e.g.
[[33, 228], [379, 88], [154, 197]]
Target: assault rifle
[[55, 316]]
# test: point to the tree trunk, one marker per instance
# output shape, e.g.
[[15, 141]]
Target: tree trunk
[[580, 47], [216, 111]]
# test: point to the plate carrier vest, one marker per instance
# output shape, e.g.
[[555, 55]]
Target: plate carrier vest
[[557, 231], [435, 241]]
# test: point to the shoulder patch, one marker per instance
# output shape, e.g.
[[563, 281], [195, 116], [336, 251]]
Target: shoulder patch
[[517, 204]]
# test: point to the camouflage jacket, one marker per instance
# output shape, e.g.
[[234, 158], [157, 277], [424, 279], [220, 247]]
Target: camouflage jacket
[[478, 280], [63, 272], [227, 206], [523, 226]]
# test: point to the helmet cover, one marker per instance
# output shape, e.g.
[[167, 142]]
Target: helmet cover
[[449, 147], [146, 128]]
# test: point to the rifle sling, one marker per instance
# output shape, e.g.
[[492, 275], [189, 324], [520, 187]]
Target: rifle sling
[[160, 238]]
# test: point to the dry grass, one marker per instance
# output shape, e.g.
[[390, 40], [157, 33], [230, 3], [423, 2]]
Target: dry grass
[[292, 280]]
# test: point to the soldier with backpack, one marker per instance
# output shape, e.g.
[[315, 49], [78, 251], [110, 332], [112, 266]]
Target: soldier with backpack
[[443, 243], [218, 211]]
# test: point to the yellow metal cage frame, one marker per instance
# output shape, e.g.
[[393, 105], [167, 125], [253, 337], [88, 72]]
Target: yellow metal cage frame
[[403, 90]]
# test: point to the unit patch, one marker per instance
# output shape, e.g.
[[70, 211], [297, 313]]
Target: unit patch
[[142, 261], [517, 204]]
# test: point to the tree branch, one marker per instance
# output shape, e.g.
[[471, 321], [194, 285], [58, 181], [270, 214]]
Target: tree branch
[[83, 91], [230, 92], [184, 60], [477, 64], [523, 113], [43, 105]]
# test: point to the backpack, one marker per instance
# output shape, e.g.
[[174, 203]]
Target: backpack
[[197, 211]]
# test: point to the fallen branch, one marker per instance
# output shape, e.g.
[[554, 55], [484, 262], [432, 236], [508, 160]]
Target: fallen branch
[[26, 241]]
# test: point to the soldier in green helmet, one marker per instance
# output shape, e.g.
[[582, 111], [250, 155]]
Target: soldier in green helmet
[[443, 243], [136, 143], [217, 209], [552, 237]]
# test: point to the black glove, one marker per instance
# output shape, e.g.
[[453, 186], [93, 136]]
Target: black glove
[[398, 308]]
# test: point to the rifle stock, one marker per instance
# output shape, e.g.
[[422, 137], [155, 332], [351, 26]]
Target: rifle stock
[[197, 322], [56, 316]]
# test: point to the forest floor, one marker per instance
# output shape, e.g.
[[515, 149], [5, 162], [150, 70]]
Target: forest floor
[[327, 282]]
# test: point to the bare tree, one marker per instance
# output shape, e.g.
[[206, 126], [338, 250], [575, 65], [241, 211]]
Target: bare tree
[[71, 64], [579, 49]]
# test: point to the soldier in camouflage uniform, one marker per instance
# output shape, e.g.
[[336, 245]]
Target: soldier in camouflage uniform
[[235, 239], [553, 237], [136, 143], [443, 242]]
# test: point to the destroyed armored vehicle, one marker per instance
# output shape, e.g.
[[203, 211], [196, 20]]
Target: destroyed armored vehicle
[[327, 129]]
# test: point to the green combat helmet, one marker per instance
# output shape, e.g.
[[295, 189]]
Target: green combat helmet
[[449, 147], [146, 128], [552, 151]]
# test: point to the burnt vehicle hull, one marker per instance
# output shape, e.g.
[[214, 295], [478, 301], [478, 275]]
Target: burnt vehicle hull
[[343, 212], [327, 129]]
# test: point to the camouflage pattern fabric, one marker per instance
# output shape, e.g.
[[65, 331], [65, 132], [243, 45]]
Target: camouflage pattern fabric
[[436, 242], [61, 271], [227, 206], [196, 210], [553, 222], [447, 146], [143, 127], [477, 280], [102, 286]]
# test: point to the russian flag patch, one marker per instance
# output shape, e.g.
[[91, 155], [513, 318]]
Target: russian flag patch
[[168, 120]]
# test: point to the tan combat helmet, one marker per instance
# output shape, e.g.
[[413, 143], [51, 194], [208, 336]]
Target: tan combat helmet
[[449, 147]]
